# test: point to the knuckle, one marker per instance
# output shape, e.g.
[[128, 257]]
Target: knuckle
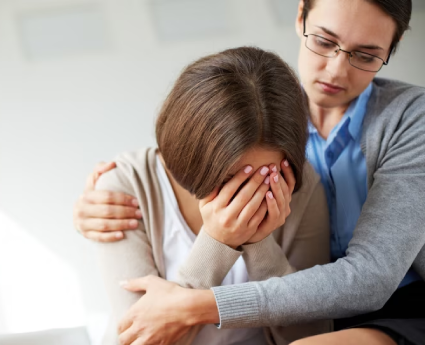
[[108, 211], [224, 221], [109, 197], [79, 213], [102, 225], [103, 238]]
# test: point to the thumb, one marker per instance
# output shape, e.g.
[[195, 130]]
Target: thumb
[[210, 197], [103, 167], [137, 284]]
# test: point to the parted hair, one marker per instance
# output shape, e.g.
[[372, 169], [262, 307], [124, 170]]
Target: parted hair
[[224, 104]]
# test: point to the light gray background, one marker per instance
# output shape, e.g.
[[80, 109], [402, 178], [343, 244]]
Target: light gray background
[[81, 81]]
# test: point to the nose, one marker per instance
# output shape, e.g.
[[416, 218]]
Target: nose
[[339, 65]]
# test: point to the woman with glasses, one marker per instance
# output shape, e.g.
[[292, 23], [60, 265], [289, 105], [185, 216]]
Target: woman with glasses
[[367, 142]]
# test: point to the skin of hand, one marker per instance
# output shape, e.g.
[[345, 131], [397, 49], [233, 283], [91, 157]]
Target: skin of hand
[[247, 214], [102, 215], [165, 313]]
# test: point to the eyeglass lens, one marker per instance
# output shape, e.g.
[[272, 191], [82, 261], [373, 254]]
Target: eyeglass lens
[[324, 47]]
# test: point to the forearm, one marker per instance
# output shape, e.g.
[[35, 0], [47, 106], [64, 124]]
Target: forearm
[[266, 259], [208, 263]]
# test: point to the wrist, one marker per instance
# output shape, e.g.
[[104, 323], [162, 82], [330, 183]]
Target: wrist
[[221, 239], [201, 307]]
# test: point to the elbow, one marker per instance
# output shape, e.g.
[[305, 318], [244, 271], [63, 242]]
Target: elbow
[[379, 296]]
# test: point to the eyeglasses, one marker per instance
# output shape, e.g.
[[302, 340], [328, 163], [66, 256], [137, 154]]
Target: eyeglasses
[[363, 61]]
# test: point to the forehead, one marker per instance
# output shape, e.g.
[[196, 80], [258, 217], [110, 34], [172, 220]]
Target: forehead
[[356, 22]]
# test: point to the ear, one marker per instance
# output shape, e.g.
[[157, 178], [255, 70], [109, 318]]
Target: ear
[[299, 22]]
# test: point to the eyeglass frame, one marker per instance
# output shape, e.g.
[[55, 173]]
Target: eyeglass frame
[[345, 51]]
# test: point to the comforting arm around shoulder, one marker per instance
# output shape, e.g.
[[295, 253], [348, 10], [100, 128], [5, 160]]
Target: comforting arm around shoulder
[[387, 239]]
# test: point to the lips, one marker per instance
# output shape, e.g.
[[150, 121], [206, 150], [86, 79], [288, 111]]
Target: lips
[[330, 88]]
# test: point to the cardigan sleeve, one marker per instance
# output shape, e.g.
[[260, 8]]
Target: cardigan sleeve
[[387, 239], [128, 258], [310, 247], [131, 257]]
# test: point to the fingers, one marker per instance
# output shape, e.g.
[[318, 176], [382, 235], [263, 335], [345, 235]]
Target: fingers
[[259, 215], [103, 167], [100, 168], [126, 333], [247, 192], [110, 198], [278, 188], [106, 225], [232, 186], [138, 284], [272, 220], [209, 198], [108, 211], [288, 174], [255, 203], [103, 237]]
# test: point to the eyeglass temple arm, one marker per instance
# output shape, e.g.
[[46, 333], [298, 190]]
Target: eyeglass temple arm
[[389, 55]]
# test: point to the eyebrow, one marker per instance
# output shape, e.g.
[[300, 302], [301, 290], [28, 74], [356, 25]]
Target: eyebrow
[[364, 46]]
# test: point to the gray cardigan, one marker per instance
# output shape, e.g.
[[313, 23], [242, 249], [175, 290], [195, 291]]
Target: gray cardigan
[[389, 237]]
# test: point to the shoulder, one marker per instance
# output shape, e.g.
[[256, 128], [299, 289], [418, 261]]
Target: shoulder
[[133, 168], [395, 108], [390, 88], [397, 97]]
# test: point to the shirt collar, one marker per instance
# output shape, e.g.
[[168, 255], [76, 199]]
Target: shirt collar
[[357, 110]]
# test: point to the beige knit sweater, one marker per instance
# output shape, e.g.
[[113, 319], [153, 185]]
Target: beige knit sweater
[[301, 243]]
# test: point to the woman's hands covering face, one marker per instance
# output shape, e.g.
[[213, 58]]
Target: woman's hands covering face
[[250, 206]]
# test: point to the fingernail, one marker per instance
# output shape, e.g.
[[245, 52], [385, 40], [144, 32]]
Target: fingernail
[[248, 169], [270, 195], [135, 202], [118, 235], [276, 178], [138, 214], [274, 169], [264, 171], [123, 283], [267, 180], [133, 223], [285, 163]]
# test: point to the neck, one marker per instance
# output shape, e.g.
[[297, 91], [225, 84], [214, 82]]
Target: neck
[[188, 204], [325, 119]]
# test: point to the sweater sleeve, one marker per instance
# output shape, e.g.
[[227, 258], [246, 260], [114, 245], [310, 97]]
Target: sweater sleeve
[[388, 237], [129, 258], [208, 263], [126, 259]]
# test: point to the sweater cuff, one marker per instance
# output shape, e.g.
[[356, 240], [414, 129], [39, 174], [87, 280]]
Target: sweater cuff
[[207, 252], [238, 305]]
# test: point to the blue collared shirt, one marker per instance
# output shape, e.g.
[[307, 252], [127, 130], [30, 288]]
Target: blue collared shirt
[[341, 165]]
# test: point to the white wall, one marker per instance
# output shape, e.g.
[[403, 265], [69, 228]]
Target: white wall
[[62, 110]]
